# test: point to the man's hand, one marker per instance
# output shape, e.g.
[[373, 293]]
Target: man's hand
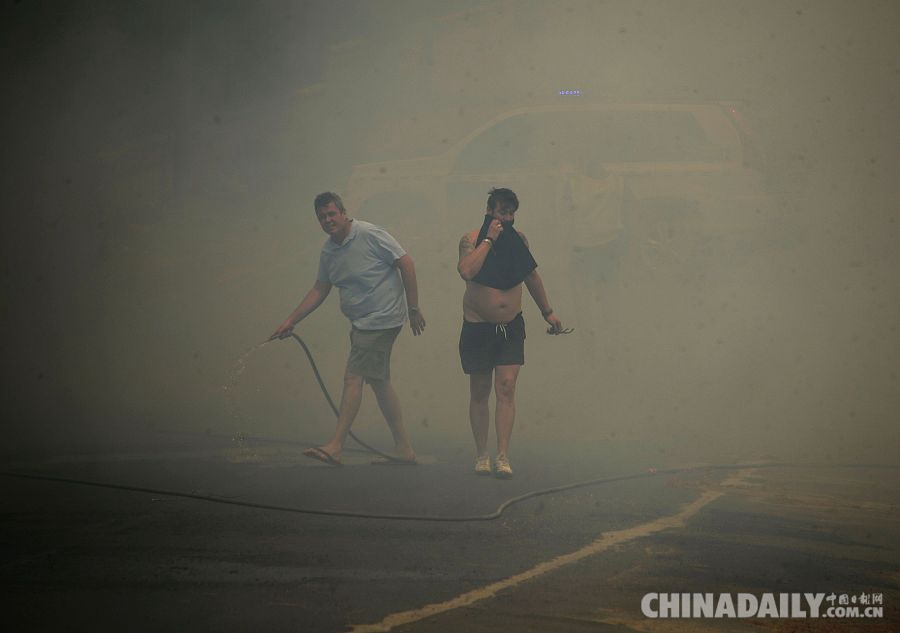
[[555, 324], [494, 230], [284, 330], [416, 322]]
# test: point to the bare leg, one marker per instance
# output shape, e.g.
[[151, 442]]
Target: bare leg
[[389, 404], [479, 415], [351, 398], [505, 377]]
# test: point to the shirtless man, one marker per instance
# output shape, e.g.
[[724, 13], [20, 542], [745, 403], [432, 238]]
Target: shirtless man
[[494, 262]]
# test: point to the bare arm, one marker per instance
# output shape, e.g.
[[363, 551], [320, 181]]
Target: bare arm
[[472, 255], [471, 258], [535, 286], [310, 302], [408, 276]]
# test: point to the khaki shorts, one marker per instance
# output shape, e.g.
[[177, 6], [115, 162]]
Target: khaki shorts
[[370, 353]]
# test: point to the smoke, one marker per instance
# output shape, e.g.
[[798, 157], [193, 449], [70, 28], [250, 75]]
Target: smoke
[[162, 162]]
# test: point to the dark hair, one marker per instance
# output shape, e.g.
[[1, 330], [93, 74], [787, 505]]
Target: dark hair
[[502, 200], [324, 199]]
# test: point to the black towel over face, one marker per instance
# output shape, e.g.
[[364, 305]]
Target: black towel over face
[[509, 261]]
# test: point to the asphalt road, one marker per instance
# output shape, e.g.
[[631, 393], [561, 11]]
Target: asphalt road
[[78, 557]]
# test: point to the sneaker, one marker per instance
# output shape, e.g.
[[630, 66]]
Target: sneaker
[[503, 470], [483, 465]]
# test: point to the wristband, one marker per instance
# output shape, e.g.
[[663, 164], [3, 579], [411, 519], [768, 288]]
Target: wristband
[[413, 309], [489, 241], [546, 313]]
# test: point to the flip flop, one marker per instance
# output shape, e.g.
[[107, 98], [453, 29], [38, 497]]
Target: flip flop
[[322, 455], [396, 461]]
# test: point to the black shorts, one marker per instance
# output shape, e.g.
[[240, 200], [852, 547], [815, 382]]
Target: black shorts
[[483, 346]]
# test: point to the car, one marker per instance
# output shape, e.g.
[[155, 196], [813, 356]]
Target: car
[[605, 189]]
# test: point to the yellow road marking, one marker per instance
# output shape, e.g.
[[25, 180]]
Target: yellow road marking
[[602, 543]]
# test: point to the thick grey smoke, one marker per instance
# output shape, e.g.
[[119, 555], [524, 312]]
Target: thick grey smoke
[[162, 159]]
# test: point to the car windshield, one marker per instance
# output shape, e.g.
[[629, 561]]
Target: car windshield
[[545, 139]]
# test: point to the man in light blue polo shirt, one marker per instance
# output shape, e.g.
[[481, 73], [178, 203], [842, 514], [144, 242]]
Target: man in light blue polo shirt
[[373, 273]]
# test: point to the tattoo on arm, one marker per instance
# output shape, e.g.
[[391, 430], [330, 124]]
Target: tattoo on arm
[[466, 245]]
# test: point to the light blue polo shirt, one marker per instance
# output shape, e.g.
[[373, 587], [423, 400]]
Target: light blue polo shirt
[[364, 268]]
